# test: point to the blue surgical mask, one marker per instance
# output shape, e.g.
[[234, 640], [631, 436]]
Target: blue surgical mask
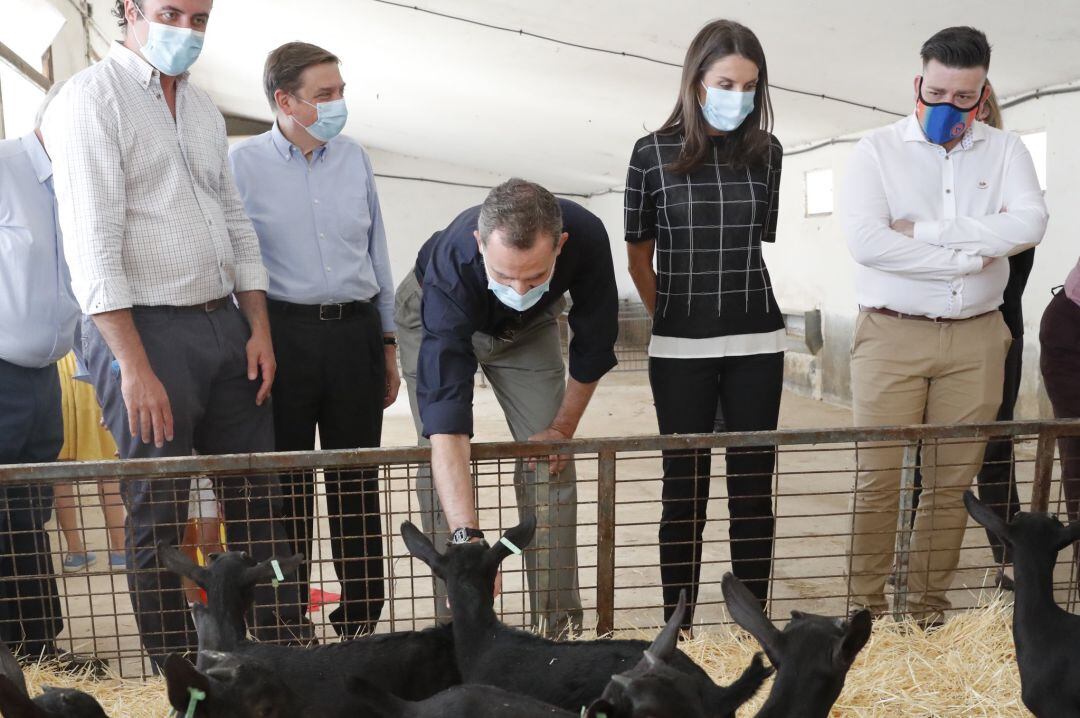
[[725, 110], [172, 50], [332, 118], [519, 302]]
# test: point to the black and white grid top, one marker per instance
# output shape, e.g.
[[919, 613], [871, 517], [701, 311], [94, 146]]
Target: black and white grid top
[[713, 293]]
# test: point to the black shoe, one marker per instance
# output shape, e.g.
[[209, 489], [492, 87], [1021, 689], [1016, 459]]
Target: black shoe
[[1003, 582], [88, 666]]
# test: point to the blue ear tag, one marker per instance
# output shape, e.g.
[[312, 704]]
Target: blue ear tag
[[278, 575], [196, 696], [510, 545]]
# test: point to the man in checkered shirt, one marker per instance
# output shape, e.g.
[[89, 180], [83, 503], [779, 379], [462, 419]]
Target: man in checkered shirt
[[166, 264]]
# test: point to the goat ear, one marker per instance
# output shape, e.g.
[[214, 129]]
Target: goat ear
[[1069, 535], [179, 563], [420, 546], [986, 516], [663, 646], [725, 701], [519, 536], [745, 610], [11, 670], [179, 676], [15, 703], [264, 571], [857, 631], [599, 708]]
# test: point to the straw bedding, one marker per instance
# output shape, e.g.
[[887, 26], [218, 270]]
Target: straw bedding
[[967, 668]]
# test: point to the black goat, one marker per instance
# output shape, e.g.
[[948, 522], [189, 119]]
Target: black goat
[[409, 664], [15, 701], [567, 674], [234, 687], [1047, 637], [653, 689], [812, 655]]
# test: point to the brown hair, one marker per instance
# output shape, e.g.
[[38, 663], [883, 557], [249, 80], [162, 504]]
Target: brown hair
[[991, 110], [748, 144], [285, 65], [523, 211]]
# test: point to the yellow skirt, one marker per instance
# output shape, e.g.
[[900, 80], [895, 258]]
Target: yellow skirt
[[85, 439]]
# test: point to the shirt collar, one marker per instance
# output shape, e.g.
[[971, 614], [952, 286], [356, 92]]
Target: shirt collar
[[912, 132], [135, 65], [286, 148], [39, 159]]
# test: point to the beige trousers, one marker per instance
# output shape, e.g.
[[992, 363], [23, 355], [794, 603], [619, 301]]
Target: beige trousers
[[908, 371]]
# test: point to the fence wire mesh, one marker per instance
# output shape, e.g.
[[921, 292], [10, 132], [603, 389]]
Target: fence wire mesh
[[361, 578]]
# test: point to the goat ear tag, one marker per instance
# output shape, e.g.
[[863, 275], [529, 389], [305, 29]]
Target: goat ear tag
[[510, 545], [278, 575], [196, 696]]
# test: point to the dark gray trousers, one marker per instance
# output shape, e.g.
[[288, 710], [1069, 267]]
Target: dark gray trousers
[[31, 431], [200, 357]]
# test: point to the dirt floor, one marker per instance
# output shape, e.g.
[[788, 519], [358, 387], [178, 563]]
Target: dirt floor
[[812, 491]]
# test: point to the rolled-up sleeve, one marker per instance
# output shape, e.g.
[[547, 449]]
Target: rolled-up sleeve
[[447, 363], [250, 273], [380, 253], [83, 141], [594, 315]]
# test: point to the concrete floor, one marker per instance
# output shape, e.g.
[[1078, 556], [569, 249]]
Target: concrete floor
[[812, 489]]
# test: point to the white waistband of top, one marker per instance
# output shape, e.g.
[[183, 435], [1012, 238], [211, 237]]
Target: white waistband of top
[[711, 347]]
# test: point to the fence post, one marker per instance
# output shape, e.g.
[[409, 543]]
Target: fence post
[[1044, 466], [903, 530], [605, 543]]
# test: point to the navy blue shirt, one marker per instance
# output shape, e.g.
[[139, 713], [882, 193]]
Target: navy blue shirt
[[456, 303]]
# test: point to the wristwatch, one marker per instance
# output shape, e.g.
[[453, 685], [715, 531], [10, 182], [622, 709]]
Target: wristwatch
[[464, 535], [389, 341]]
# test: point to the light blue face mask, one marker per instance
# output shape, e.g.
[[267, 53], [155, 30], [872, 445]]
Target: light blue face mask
[[332, 118], [725, 110], [519, 302], [172, 50]]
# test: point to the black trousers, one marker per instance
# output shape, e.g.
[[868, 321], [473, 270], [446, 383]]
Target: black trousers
[[332, 375], [686, 393], [31, 431], [997, 476], [1059, 337], [201, 359]]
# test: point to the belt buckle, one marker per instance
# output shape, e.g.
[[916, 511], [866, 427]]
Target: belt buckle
[[211, 306], [328, 316]]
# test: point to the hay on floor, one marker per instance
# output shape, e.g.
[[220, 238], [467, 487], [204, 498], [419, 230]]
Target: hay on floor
[[966, 668]]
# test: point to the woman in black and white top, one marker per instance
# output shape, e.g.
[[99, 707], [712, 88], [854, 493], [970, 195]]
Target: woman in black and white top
[[702, 195]]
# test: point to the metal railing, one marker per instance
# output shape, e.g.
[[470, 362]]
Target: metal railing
[[619, 486]]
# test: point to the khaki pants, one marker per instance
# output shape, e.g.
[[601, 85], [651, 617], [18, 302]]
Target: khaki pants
[[908, 371], [528, 377]]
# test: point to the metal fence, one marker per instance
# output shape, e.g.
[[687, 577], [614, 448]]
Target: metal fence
[[619, 490]]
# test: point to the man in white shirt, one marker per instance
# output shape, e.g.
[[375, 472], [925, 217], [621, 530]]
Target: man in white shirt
[[932, 205], [159, 247]]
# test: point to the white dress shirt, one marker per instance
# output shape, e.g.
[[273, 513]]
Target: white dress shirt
[[982, 199], [147, 202], [37, 310]]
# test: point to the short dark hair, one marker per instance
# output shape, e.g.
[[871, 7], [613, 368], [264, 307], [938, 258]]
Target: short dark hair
[[286, 64], [523, 211], [118, 12], [959, 47]]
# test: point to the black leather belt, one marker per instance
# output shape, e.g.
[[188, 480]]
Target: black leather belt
[[324, 312], [206, 307], [919, 317]]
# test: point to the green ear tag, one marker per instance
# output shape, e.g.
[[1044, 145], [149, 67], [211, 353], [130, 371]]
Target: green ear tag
[[196, 696], [278, 575], [510, 545]]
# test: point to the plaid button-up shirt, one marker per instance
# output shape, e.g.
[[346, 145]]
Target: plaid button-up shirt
[[147, 204]]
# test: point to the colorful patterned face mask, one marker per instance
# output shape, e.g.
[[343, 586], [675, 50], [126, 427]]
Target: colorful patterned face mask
[[943, 122]]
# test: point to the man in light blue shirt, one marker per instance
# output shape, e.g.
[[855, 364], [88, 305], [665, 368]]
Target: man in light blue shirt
[[38, 314], [311, 196]]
